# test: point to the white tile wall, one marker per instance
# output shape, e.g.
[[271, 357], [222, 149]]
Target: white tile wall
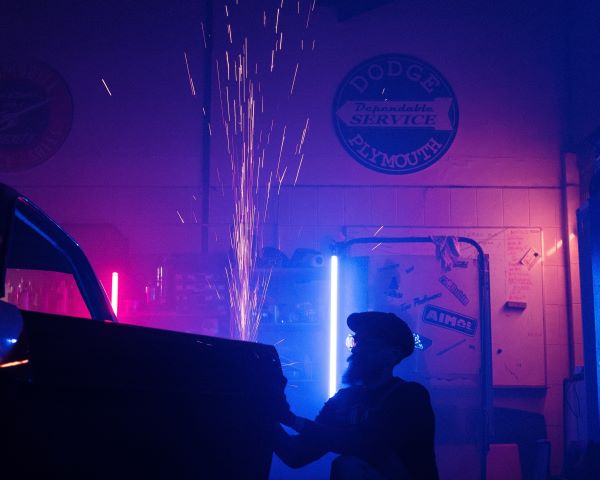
[[544, 206], [383, 206], [296, 236], [218, 238], [437, 207], [268, 205], [553, 246], [489, 207], [515, 207], [330, 206], [410, 206], [220, 206], [463, 207], [357, 206], [284, 205], [557, 362], [555, 317], [303, 206], [115, 205], [554, 285]]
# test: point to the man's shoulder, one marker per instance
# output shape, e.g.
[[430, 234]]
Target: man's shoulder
[[345, 393], [340, 401], [409, 389]]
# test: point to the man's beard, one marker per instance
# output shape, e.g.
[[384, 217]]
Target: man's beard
[[358, 371]]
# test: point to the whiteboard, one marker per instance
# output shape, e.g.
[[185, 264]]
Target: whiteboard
[[518, 348]]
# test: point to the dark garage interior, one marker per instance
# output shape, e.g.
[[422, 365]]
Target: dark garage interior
[[300, 239]]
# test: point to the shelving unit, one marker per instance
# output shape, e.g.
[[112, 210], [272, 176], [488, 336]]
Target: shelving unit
[[294, 319]]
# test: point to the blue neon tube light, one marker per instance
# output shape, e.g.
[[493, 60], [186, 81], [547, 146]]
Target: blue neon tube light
[[333, 324]]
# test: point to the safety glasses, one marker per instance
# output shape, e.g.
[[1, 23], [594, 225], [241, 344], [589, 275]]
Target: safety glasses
[[351, 341]]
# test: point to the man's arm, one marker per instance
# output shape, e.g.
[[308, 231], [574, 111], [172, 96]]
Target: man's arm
[[297, 450], [310, 444], [316, 438], [406, 415]]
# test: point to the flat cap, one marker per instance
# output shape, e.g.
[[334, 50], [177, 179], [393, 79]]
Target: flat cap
[[385, 326]]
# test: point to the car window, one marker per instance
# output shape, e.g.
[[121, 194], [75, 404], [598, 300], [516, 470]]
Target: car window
[[39, 272], [44, 291]]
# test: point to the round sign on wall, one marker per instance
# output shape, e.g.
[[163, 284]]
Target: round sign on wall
[[395, 114], [36, 113]]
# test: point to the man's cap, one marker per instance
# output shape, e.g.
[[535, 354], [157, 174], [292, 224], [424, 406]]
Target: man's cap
[[385, 326]]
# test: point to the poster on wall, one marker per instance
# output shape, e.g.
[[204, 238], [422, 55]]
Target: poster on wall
[[395, 114], [36, 113]]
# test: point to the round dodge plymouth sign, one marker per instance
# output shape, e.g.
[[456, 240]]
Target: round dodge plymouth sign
[[36, 112], [395, 114]]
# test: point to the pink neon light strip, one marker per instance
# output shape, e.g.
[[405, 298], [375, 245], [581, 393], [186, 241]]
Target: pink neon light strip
[[114, 292]]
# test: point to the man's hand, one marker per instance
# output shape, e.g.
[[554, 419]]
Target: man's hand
[[283, 413]]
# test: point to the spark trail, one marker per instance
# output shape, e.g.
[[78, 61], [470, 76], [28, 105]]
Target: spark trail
[[246, 104]]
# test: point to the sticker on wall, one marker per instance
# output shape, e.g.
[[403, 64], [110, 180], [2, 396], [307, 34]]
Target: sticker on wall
[[454, 289], [421, 342], [448, 319], [36, 113], [395, 114]]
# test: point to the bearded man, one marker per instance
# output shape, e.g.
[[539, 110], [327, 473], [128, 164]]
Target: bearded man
[[381, 426]]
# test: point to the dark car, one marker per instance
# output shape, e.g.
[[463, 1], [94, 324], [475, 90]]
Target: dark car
[[82, 396]]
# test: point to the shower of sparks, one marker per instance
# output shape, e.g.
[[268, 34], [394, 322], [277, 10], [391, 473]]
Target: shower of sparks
[[190, 79], [378, 230], [281, 180], [281, 149], [289, 364], [310, 10], [220, 182], [294, 79], [203, 35], [246, 287], [106, 86], [213, 287], [299, 149], [242, 103], [298, 171]]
